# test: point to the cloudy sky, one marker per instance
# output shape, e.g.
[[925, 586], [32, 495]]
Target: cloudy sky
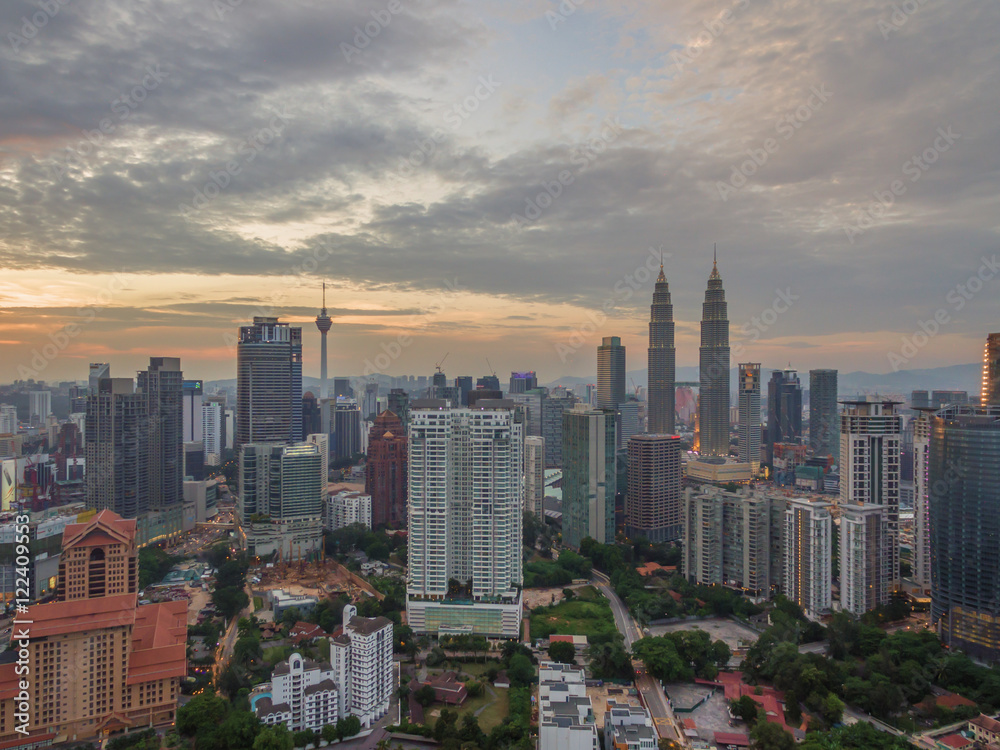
[[495, 179]]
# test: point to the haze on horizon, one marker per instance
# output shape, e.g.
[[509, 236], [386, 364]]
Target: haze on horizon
[[168, 171]]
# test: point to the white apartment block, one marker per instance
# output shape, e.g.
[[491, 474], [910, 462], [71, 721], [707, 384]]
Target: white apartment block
[[864, 534], [808, 556], [212, 424], [362, 663], [322, 441], [302, 695], [870, 438], [40, 406], [922, 501], [534, 474], [465, 498], [347, 508], [565, 715], [628, 726]]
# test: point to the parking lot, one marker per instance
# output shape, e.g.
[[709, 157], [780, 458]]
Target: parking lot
[[736, 636]]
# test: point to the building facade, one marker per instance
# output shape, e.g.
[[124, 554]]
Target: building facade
[[347, 508], [280, 504], [964, 500], [824, 425], [653, 499], [610, 373], [662, 360], [534, 475], [99, 663], [748, 445], [465, 497], [864, 579], [362, 662], [268, 383], [922, 498], [713, 364], [302, 694], [808, 556], [385, 470], [870, 438], [589, 481], [989, 394]]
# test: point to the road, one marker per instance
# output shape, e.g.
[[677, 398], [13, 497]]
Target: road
[[228, 641], [648, 686]]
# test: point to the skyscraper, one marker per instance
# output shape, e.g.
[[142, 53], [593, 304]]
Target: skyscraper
[[523, 381], [162, 385], [192, 392], [921, 498], [534, 475], [660, 403], [990, 393], [610, 373], [589, 480], [870, 437], [281, 497], [824, 438], [323, 323], [964, 481], [465, 523], [553, 406], [749, 425], [863, 541], [399, 404], [117, 449], [713, 401], [653, 500], [808, 556], [784, 409], [39, 406], [344, 427], [385, 471], [268, 383], [98, 371]]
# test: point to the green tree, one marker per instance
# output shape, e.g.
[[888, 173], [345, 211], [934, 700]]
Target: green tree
[[424, 696], [329, 733], [274, 738], [521, 671], [229, 601], [768, 736], [303, 737], [201, 712], [348, 726], [660, 656], [240, 729], [745, 708], [562, 652]]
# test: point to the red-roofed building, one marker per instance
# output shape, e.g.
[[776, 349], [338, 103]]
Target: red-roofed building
[[96, 662], [730, 740], [985, 729], [955, 742], [305, 631], [953, 701]]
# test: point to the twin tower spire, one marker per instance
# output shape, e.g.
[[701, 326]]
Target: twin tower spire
[[713, 361]]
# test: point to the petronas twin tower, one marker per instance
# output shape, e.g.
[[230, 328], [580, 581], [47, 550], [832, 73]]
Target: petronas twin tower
[[713, 401]]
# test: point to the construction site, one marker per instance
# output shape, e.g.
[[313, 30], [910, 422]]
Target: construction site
[[324, 579]]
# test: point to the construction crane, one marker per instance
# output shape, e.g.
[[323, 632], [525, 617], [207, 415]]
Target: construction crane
[[635, 388], [438, 365], [492, 371]]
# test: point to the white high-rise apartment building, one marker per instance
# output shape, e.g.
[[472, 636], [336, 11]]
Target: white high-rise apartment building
[[465, 498], [362, 663], [863, 577], [922, 500], [212, 431], [870, 438], [347, 508], [808, 556], [40, 406], [534, 475], [565, 715]]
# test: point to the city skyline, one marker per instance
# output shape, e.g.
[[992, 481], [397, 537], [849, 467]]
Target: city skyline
[[393, 167]]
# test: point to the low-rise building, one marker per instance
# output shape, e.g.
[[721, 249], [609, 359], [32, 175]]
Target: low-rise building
[[628, 726], [302, 694], [566, 718], [281, 601]]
